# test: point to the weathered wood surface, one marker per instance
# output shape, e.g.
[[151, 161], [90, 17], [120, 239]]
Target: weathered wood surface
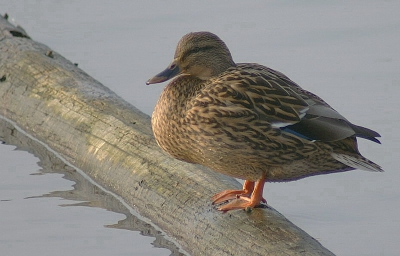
[[111, 141], [83, 192]]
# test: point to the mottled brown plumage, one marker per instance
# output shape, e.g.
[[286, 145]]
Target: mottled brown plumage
[[249, 121]]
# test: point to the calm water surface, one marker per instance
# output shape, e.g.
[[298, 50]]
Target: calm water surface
[[348, 53]]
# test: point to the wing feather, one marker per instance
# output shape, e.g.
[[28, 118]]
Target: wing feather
[[252, 90]]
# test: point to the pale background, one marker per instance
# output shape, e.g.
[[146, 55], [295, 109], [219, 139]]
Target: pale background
[[347, 52]]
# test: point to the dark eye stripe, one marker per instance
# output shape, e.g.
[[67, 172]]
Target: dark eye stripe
[[194, 50]]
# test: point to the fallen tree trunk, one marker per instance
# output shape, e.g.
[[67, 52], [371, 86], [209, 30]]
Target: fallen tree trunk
[[111, 141]]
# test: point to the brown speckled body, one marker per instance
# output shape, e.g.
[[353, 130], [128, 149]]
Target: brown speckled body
[[198, 122], [249, 121]]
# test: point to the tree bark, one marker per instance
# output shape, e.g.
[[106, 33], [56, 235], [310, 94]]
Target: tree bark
[[111, 141]]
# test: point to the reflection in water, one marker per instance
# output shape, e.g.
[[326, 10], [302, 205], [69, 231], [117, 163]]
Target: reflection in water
[[83, 191]]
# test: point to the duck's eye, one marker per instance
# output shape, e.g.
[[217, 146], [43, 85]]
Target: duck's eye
[[196, 49]]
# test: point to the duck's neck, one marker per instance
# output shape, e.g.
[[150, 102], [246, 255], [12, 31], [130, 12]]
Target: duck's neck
[[168, 119], [173, 100]]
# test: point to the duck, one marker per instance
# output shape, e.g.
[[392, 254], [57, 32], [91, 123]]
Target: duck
[[250, 122]]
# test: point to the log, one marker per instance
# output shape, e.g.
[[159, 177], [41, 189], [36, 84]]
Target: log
[[111, 141], [84, 191]]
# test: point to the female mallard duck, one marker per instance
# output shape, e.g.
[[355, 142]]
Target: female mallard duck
[[249, 122]]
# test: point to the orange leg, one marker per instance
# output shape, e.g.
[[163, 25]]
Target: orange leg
[[250, 196]]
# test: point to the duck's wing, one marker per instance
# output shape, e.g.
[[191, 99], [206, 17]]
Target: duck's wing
[[257, 91], [321, 121]]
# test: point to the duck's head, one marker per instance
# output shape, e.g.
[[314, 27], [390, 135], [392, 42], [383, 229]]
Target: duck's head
[[200, 54]]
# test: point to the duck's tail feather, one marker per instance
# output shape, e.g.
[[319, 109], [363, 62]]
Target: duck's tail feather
[[357, 161], [366, 133]]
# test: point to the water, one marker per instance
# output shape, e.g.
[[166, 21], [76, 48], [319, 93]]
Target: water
[[346, 52]]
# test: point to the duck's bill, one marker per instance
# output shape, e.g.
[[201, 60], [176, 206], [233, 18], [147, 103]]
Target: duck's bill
[[165, 75]]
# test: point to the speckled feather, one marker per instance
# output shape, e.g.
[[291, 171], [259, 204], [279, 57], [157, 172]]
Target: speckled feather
[[248, 120]]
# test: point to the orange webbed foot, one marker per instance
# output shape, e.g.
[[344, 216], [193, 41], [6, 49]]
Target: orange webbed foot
[[249, 197], [240, 203], [226, 195]]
